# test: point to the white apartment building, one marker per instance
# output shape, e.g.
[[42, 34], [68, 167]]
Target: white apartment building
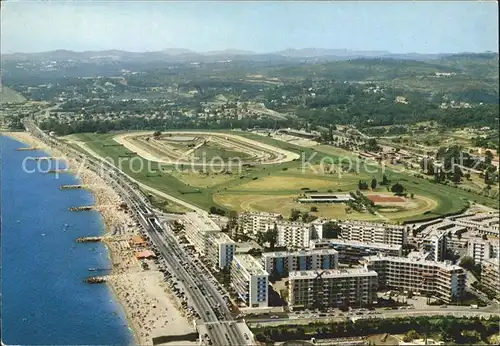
[[255, 222], [490, 275], [486, 223], [480, 249], [197, 228], [436, 245], [350, 251], [356, 287], [282, 263], [367, 232], [442, 280], [250, 281], [293, 235], [221, 249]]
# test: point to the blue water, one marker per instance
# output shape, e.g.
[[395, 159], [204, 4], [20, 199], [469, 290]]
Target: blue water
[[44, 301]]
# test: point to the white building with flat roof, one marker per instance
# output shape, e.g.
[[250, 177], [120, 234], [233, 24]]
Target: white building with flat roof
[[316, 289], [283, 262], [350, 251], [481, 249], [256, 222], [369, 232], [221, 249], [490, 275], [440, 279], [291, 234], [197, 228], [250, 281]]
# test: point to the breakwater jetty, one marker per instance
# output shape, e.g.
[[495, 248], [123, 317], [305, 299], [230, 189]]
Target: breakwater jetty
[[28, 149], [89, 239], [62, 170], [41, 158], [83, 208], [64, 187], [95, 280]]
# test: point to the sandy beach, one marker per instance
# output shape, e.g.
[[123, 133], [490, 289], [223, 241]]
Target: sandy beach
[[150, 308]]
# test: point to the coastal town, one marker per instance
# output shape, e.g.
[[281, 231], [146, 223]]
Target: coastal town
[[250, 174]]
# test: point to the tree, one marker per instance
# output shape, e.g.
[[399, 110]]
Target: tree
[[488, 157], [385, 181], [374, 184], [314, 209], [156, 134], [295, 214], [331, 229], [457, 174], [467, 262], [397, 189], [362, 185], [372, 145]]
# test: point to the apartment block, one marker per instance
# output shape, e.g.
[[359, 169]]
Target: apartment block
[[250, 281], [293, 235], [282, 263], [254, 222], [442, 280], [367, 232], [436, 245], [490, 275], [481, 249], [332, 288], [220, 250], [486, 223], [197, 228], [350, 251]]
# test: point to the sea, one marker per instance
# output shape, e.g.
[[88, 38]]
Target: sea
[[44, 299]]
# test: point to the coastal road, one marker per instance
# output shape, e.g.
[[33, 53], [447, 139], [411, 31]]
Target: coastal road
[[458, 312]]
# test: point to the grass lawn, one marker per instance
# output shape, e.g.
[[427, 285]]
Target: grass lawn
[[274, 187]]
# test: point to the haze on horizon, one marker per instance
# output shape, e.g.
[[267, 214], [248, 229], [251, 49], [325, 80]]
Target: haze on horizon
[[262, 27]]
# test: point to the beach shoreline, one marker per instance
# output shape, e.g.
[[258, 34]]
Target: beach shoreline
[[141, 293]]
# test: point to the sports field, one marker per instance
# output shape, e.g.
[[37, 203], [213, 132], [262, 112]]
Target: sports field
[[274, 187], [202, 147]]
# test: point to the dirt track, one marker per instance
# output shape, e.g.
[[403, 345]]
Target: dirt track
[[281, 155]]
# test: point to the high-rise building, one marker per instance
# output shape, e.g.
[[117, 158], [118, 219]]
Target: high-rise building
[[197, 228], [220, 250], [440, 279], [367, 232], [250, 281], [480, 249], [350, 251], [312, 289], [281, 263], [490, 275]]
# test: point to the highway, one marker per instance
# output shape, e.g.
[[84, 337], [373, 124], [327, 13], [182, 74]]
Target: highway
[[204, 297]]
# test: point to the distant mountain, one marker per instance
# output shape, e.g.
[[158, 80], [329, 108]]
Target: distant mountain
[[321, 52], [186, 55]]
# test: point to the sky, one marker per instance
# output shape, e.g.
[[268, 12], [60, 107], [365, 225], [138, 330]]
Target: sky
[[263, 26]]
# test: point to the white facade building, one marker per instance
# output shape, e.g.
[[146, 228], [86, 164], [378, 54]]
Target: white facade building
[[197, 228], [356, 287], [443, 280], [282, 263], [221, 249], [350, 251], [481, 249], [250, 281], [367, 232]]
